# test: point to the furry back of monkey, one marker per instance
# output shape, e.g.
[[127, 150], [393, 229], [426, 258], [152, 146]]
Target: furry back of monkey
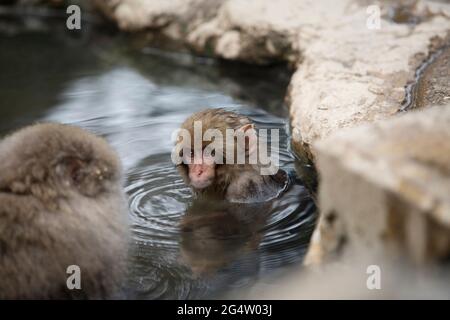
[[61, 205]]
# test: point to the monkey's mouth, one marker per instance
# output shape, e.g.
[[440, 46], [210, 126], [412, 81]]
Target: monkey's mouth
[[201, 184]]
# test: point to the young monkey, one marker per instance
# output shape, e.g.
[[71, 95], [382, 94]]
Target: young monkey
[[236, 182], [61, 204]]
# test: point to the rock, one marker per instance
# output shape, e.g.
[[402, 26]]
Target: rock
[[432, 87], [52, 3], [175, 19], [253, 31], [351, 74], [363, 279], [385, 189]]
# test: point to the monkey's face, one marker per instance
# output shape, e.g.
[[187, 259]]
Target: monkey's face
[[218, 135], [202, 171]]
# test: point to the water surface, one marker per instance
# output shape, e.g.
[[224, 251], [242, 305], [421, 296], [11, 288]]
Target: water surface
[[136, 98]]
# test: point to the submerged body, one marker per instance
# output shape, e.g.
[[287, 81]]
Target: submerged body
[[216, 233]]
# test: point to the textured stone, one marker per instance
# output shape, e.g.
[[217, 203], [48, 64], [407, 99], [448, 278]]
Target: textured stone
[[350, 74], [385, 189], [433, 86], [352, 280]]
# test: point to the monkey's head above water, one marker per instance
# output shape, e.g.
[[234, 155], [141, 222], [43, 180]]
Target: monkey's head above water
[[202, 170], [50, 161], [218, 153]]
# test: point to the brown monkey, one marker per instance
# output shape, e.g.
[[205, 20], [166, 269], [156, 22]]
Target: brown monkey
[[239, 182], [61, 204]]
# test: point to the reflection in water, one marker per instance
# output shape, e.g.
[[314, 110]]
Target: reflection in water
[[181, 248], [213, 234]]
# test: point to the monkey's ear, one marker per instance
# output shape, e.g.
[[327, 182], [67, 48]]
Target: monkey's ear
[[247, 126], [71, 169]]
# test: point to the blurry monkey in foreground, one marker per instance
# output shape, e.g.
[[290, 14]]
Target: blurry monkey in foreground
[[231, 181], [61, 204]]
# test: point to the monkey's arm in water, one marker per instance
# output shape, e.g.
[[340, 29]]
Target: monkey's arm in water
[[250, 186]]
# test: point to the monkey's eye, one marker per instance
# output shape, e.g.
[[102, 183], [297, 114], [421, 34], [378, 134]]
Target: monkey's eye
[[213, 153]]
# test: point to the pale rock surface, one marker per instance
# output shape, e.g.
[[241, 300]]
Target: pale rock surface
[[385, 189]]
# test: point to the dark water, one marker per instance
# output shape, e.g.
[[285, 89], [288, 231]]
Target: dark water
[[136, 98]]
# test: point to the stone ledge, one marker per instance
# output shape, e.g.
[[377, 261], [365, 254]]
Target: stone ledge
[[385, 189], [351, 75]]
